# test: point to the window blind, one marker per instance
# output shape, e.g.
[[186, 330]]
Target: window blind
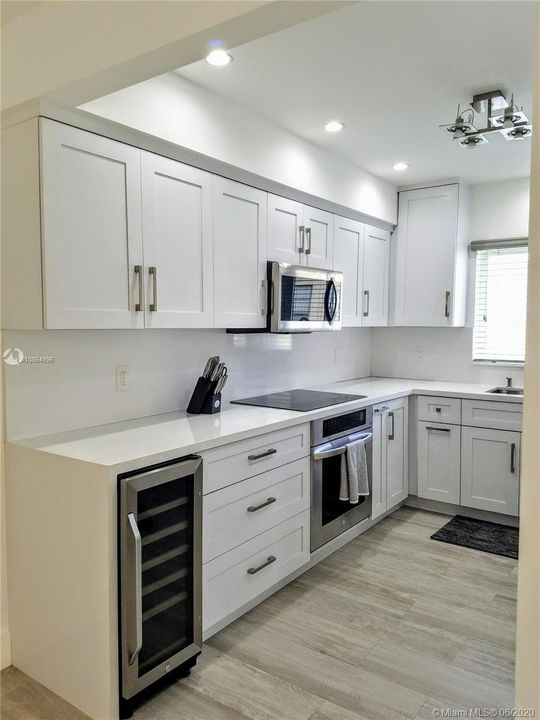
[[500, 303]]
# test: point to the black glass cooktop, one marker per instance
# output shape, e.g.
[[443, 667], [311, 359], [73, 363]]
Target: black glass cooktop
[[300, 400]]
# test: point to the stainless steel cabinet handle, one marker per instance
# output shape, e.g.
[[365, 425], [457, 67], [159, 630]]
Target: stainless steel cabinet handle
[[301, 247], [391, 434], [266, 503], [266, 453], [447, 304], [152, 271], [269, 561], [438, 410], [135, 620], [308, 241], [513, 458], [436, 429], [138, 271], [366, 295]]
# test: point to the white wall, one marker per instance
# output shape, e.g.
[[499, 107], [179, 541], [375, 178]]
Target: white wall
[[79, 390], [177, 110], [498, 210]]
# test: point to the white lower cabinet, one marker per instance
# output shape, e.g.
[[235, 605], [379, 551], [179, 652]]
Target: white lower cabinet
[[490, 469], [237, 513], [390, 484], [240, 575], [439, 462]]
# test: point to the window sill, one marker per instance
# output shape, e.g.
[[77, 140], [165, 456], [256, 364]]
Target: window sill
[[499, 363]]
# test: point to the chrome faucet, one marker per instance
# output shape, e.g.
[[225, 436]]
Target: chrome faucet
[[508, 382]]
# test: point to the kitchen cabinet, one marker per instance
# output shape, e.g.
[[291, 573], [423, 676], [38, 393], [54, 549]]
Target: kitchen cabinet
[[390, 455], [299, 234], [490, 469], [240, 231], [430, 257], [349, 259], [177, 232], [375, 276], [439, 461], [91, 226], [362, 254]]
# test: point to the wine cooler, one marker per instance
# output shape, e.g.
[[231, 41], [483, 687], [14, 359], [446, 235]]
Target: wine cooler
[[160, 563]]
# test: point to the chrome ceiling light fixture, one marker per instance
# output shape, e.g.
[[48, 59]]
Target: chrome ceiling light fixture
[[501, 117]]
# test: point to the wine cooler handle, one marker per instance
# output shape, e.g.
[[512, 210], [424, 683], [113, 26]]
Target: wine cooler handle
[[135, 619]]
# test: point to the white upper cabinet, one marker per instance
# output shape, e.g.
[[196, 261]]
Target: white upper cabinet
[[91, 228], [430, 254], [348, 259], [319, 231], [177, 231], [286, 236], [362, 254], [240, 230], [299, 234], [375, 276]]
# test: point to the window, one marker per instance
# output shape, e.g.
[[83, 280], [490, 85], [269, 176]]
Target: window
[[500, 301]]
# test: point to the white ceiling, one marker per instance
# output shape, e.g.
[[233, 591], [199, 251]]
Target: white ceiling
[[392, 72]]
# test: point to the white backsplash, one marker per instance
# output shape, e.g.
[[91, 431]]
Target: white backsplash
[[433, 354], [79, 388]]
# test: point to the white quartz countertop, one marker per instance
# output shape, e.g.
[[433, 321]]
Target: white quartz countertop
[[130, 444]]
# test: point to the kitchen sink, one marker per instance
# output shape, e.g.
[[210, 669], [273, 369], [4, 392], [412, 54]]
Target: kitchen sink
[[506, 391]]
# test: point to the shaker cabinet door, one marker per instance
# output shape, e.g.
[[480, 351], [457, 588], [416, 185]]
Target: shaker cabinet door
[[349, 259], [376, 267], [286, 237], [319, 238], [490, 469], [177, 231], [92, 236], [439, 460], [240, 225]]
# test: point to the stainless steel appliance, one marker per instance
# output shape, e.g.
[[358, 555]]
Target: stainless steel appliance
[[303, 299], [331, 516], [160, 565], [298, 399]]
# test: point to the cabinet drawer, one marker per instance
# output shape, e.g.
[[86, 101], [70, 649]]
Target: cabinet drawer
[[242, 574], [240, 460], [499, 415], [237, 513], [439, 409]]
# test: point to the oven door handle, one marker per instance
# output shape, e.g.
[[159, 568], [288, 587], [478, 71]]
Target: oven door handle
[[323, 454]]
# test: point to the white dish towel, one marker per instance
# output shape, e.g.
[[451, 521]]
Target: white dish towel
[[354, 472]]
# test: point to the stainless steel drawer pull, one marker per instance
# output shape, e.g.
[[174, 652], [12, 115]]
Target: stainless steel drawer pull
[[308, 241], [438, 410], [266, 453], [301, 247], [153, 272], [391, 435], [254, 508], [513, 458], [434, 429], [269, 561], [138, 271], [447, 304], [366, 295]]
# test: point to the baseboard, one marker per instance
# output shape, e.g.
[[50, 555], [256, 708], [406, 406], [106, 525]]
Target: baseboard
[[5, 649], [449, 509]]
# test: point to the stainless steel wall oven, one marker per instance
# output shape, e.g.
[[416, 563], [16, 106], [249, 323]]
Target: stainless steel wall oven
[[331, 516]]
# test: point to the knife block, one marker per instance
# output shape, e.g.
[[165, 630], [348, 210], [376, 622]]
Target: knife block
[[204, 400]]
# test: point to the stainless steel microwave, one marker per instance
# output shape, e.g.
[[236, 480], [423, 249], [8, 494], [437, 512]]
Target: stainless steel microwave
[[303, 299]]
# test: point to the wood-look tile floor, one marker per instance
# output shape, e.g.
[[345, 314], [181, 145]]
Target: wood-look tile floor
[[392, 626]]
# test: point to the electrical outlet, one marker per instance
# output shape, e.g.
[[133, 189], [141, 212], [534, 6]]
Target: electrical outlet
[[420, 353], [122, 378]]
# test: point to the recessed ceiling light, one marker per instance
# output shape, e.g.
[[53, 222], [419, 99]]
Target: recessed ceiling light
[[399, 166], [218, 58], [334, 126]]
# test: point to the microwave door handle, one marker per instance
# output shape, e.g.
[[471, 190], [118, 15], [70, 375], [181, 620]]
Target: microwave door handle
[[330, 307]]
